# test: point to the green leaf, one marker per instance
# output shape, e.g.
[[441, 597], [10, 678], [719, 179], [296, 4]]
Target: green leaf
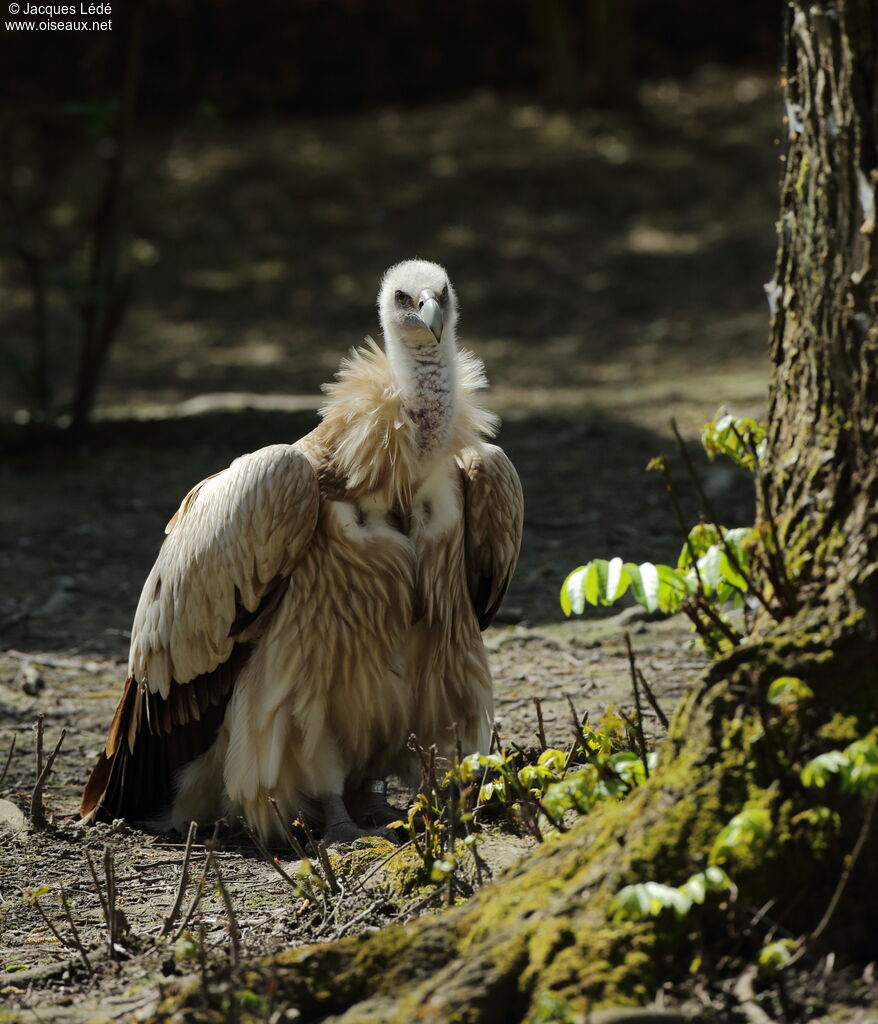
[[648, 899], [819, 770], [573, 591], [789, 690], [746, 831], [736, 437], [644, 580], [712, 879], [776, 954], [674, 587]]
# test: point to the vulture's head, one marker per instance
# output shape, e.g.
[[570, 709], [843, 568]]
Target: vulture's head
[[417, 305]]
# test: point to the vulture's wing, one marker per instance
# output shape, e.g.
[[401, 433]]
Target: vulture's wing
[[229, 550], [493, 517]]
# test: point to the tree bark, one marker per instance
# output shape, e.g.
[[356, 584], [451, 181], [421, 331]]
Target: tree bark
[[543, 936]]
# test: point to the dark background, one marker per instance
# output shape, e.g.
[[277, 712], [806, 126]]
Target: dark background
[[323, 56]]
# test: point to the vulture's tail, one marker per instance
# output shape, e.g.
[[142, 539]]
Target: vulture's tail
[[136, 773]]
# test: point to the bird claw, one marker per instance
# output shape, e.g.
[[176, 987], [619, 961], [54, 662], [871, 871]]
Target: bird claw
[[343, 832]]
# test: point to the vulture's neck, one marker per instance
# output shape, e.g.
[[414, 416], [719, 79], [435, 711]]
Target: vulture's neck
[[390, 415], [427, 382]]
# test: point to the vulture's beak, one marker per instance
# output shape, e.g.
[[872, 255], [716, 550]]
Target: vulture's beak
[[430, 312]]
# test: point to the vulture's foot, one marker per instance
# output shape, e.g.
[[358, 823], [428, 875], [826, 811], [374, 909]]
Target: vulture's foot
[[347, 832], [340, 827], [369, 806]]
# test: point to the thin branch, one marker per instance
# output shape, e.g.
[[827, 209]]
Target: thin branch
[[541, 728], [199, 890], [8, 760], [641, 739], [295, 845], [653, 703], [234, 931], [37, 811], [105, 910], [74, 931], [184, 879]]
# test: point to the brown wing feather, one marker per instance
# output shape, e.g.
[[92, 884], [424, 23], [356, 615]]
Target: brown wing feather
[[137, 782], [218, 578], [494, 515]]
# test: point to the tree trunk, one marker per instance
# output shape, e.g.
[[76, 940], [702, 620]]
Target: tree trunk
[[541, 944]]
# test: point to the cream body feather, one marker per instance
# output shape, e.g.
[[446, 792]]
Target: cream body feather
[[344, 674]]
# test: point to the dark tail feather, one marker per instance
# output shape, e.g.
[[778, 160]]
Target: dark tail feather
[[138, 784]]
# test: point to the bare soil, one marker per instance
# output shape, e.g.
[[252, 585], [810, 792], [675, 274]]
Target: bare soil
[[610, 270]]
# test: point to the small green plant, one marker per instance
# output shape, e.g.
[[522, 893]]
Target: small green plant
[[855, 768], [648, 899], [716, 566]]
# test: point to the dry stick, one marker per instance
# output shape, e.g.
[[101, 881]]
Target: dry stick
[[327, 868], [577, 726], [48, 923], [641, 739], [110, 874], [849, 864], [295, 845], [8, 760], [227, 903], [653, 703], [320, 855], [730, 634], [37, 812], [73, 930], [39, 728], [266, 855], [184, 878], [199, 890], [708, 508], [541, 729], [98, 887]]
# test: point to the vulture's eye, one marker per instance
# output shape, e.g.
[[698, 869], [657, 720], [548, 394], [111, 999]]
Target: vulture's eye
[[404, 300], [443, 298]]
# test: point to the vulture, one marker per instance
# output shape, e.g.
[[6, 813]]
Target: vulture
[[315, 604]]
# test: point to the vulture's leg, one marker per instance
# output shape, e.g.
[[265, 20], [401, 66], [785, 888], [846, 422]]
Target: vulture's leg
[[340, 827], [369, 805]]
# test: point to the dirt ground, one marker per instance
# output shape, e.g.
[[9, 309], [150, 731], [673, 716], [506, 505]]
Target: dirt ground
[[610, 270]]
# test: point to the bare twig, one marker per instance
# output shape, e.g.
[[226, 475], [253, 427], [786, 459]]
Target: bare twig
[[37, 811], [234, 931], [47, 922], [295, 845], [105, 910], [39, 728], [641, 739], [577, 725], [266, 855], [541, 728], [74, 931], [199, 890], [328, 873], [184, 879], [8, 760], [653, 703], [113, 920]]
